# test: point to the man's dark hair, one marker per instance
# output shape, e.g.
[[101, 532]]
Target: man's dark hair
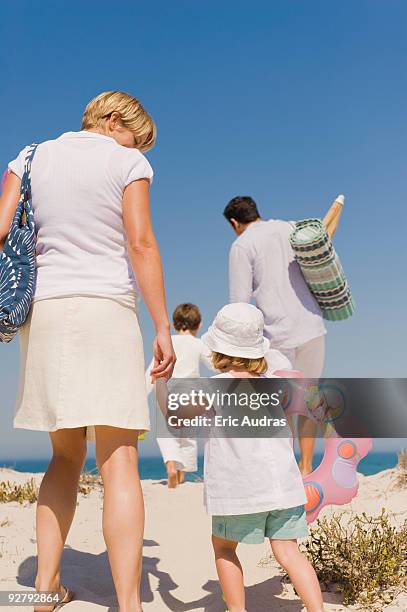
[[243, 209]]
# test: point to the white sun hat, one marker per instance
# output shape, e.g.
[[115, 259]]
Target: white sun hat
[[237, 331]]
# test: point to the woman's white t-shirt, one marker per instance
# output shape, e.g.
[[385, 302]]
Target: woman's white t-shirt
[[249, 475], [77, 184]]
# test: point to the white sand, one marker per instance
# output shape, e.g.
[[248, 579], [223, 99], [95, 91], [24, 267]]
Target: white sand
[[178, 568]]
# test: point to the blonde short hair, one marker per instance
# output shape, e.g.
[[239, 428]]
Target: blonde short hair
[[132, 115], [224, 362]]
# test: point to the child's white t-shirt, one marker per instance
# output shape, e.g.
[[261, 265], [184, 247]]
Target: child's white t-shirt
[[191, 353], [77, 184], [249, 475]]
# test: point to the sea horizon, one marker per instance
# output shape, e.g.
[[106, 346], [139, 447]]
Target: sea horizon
[[153, 468]]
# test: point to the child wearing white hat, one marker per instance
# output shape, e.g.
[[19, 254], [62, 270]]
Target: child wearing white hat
[[252, 486]]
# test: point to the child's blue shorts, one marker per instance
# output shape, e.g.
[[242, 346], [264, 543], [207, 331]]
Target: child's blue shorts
[[288, 524]]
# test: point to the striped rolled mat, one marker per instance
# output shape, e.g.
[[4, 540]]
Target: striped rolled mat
[[322, 269]]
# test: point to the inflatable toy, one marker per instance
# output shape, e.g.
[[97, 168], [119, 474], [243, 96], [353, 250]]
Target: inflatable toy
[[335, 480]]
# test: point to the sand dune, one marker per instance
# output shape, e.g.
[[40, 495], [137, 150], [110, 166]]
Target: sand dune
[[178, 569]]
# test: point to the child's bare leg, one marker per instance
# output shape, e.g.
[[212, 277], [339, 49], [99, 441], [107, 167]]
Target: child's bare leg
[[301, 573], [181, 477], [172, 474], [230, 573]]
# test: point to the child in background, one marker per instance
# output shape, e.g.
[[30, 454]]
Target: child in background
[[252, 486], [180, 455]]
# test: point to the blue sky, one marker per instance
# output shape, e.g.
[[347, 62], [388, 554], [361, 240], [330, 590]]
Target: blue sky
[[290, 102]]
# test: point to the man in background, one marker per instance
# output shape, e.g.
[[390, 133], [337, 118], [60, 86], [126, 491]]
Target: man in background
[[262, 268]]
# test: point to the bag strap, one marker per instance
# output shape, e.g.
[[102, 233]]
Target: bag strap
[[25, 215]]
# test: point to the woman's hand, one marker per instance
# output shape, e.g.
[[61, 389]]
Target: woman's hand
[[164, 355]]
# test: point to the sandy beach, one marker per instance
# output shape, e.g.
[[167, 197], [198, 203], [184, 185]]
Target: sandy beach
[[178, 568]]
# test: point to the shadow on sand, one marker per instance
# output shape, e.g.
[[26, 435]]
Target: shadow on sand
[[259, 598], [90, 577]]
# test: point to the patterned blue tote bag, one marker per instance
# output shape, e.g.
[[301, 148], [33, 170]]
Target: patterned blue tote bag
[[17, 261]]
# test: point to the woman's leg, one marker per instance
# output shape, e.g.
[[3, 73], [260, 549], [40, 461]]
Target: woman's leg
[[301, 573], [230, 573], [56, 504], [307, 430], [123, 511]]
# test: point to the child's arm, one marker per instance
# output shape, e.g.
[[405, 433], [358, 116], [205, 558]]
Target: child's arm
[[206, 357], [149, 378], [182, 412], [161, 395]]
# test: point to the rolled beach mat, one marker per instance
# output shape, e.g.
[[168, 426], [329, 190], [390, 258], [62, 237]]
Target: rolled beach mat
[[322, 269]]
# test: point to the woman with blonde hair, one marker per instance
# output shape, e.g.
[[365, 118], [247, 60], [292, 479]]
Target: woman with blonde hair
[[82, 361]]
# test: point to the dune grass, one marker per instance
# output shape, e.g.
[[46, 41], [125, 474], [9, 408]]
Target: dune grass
[[401, 480], [12, 492], [365, 558], [90, 480], [28, 492]]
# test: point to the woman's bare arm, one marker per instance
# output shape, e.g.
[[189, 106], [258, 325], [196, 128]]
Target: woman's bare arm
[[146, 262], [8, 204]]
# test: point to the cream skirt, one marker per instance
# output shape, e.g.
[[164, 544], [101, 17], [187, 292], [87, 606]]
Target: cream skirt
[[82, 364]]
